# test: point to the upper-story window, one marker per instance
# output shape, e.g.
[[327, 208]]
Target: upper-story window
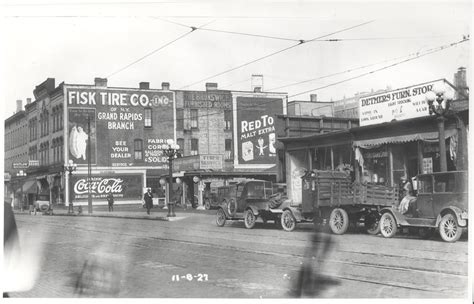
[[180, 142], [179, 119], [194, 119], [228, 119], [138, 148], [148, 118], [194, 146]]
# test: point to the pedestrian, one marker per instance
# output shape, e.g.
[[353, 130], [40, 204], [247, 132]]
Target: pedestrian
[[110, 200], [148, 198]]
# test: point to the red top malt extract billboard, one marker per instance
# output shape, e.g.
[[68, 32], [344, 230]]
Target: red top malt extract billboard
[[127, 126], [256, 118]]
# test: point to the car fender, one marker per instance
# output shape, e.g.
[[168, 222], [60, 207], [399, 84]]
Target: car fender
[[457, 212], [296, 213], [253, 208], [400, 218]]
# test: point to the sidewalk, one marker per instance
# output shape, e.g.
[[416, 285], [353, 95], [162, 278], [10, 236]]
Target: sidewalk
[[135, 211]]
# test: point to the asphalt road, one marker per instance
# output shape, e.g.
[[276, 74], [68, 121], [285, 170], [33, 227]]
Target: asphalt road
[[193, 258]]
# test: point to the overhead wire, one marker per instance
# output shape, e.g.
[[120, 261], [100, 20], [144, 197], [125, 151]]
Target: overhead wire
[[418, 55], [273, 54]]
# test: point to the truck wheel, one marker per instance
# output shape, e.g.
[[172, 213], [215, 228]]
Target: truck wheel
[[220, 219], [249, 219], [288, 221], [388, 225], [371, 223], [207, 204], [338, 221], [449, 228]]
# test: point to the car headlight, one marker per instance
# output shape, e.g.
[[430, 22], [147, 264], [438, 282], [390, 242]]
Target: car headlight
[[464, 215]]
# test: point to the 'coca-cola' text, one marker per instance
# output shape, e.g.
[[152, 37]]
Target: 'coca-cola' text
[[106, 185]]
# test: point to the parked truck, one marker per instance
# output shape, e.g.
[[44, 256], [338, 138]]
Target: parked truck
[[330, 197]]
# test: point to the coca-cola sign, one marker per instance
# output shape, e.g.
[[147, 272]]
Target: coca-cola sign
[[123, 186]]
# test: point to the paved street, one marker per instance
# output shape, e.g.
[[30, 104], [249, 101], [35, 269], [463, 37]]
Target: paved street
[[126, 257]]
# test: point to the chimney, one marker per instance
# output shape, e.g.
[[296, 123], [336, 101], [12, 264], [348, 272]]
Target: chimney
[[165, 86], [144, 85], [257, 83], [28, 100], [19, 105], [100, 82], [460, 83], [211, 86], [313, 97]]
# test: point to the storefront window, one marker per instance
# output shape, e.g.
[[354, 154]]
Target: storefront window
[[375, 165]]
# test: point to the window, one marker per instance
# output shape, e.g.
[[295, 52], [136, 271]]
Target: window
[[138, 147], [194, 146], [148, 118], [228, 149], [228, 119], [194, 119], [179, 119], [180, 142]]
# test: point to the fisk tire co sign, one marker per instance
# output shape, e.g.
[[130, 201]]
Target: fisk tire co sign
[[123, 187], [123, 129]]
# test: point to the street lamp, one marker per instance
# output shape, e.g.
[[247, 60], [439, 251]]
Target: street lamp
[[21, 174], [70, 167], [170, 150], [439, 100]]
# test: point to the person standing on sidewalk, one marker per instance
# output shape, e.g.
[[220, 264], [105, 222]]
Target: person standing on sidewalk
[[148, 198], [110, 200]]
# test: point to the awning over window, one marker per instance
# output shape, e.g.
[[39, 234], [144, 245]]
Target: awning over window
[[28, 187], [428, 136]]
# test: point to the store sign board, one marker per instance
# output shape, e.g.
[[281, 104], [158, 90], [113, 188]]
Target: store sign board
[[210, 162], [398, 104], [33, 163], [216, 100], [188, 163], [117, 135], [256, 118], [20, 165], [122, 186]]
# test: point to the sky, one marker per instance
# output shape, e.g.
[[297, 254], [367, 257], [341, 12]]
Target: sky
[[380, 44]]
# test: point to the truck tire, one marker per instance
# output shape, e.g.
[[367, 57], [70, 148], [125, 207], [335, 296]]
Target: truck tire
[[449, 229], [220, 217], [288, 221], [371, 223], [249, 219], [388, 225], [338, 221], [232, 207]]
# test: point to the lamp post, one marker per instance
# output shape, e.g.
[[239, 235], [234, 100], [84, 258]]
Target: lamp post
[[197, 181], [21, 174], [439, 99], [69, 168], [170, 150]]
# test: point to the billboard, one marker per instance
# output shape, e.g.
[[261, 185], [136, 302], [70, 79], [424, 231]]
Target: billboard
[[127, 127], [256, 118], [398, 104], [125, 187]]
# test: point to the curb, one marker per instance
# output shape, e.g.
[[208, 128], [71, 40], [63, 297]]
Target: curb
[[144, 217]]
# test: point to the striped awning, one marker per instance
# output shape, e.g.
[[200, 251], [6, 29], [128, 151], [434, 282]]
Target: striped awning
[[427, 136]]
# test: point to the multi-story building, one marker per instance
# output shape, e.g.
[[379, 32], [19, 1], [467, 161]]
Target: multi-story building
[[117, 136]]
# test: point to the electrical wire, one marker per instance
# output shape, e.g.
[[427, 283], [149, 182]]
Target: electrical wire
[[158, 49], [273, 54]]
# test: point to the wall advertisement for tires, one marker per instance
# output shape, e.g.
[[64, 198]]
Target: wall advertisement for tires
[[125, 187], [256, 118], [124, 126]]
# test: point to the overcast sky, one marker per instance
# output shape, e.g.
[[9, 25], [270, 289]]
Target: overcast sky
[[75, 41]]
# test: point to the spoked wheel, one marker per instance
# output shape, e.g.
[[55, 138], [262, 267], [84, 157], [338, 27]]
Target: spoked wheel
[[371, 223], [388, 225], [449, 229], [220, 219], [339, 221], [232, 207], [288, 221], [207, 204], [249, 219]]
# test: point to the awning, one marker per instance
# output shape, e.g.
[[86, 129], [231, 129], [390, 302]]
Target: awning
[[28, 187], [427, 136]]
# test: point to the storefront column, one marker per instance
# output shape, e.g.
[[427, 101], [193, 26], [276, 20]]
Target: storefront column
[[420, 156], [332, 159], [390, 163]]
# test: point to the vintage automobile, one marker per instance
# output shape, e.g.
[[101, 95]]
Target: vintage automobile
[[248, 200], [42, 204], [330, 197], [210, 199], [441, 203]]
